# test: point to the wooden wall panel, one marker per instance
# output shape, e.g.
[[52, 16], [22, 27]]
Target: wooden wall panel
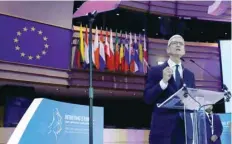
[[26, 73], [196, 9], [166, 7], [137, 5], [164, 4]]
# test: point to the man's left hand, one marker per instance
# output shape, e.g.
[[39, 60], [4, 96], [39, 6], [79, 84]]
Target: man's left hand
[[214, 138]]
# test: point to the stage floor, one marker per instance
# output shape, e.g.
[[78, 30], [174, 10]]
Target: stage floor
[[111, 136]]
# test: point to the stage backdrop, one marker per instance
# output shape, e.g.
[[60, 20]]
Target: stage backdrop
[[48, 121]]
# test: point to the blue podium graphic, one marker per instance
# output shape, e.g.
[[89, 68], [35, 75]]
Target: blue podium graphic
[[52, 122], [226, 123]]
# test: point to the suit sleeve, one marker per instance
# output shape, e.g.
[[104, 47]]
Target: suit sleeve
[[218, 126], [152, 87]]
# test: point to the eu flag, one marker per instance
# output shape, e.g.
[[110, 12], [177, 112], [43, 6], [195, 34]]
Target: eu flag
[[27, 42]]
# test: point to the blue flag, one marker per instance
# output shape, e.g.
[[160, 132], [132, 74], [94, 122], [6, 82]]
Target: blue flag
[[28, 42]]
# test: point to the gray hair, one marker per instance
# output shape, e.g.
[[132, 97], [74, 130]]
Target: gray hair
[[175, 36]]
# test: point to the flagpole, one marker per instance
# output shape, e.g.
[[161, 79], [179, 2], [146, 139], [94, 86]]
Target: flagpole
[[91, 17]]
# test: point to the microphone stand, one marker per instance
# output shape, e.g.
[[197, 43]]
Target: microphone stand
[[195, 125], [91, 17], [186, 93]]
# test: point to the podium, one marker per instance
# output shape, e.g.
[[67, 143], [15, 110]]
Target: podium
[[191, 104]]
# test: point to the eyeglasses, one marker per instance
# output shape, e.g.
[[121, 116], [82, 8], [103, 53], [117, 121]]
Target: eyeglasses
[[175, 43]]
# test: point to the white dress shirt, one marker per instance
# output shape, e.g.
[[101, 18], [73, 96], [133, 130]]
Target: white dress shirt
[[172, 65]]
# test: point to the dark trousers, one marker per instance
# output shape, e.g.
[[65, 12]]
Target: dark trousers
[[177, 136]]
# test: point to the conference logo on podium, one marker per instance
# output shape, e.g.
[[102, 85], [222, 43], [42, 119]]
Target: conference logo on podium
[[227, 126], [55, 126], [67, 123]]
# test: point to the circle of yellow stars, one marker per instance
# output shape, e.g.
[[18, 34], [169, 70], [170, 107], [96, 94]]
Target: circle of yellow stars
[[28, 56]]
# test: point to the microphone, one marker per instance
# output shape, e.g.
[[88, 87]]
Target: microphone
[[203, 69], [186, 93], [224, 87]]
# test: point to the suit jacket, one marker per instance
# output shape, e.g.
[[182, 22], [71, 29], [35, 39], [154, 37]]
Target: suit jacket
[[217, 129], [163, 121]]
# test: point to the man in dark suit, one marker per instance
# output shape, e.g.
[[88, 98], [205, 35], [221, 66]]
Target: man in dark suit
[[213, 126], [167, 126]]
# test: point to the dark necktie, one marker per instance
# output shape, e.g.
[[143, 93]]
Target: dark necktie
[[178, 78], [210, 119]]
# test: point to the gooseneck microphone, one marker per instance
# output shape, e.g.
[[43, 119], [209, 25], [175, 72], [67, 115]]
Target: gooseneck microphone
[[203, 69], [227, 93], [185, 89]]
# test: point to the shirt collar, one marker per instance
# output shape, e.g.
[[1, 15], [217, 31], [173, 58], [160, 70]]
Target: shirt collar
[[209, 113], [173, 64]]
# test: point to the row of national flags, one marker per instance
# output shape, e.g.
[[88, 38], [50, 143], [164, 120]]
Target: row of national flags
[[121, 53]]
